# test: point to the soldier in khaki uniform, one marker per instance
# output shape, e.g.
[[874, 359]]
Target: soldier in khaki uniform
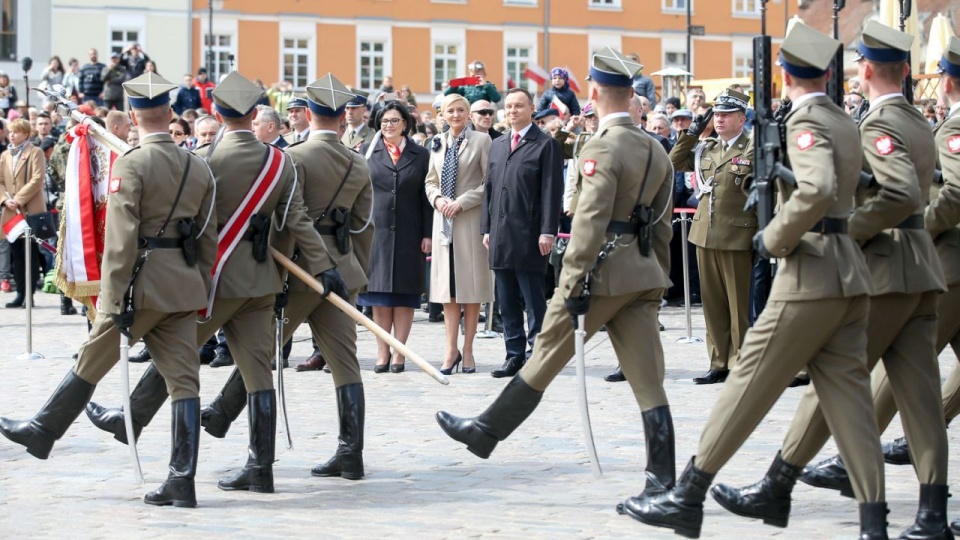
[[357, 133], [900, 152], [167, 291], [816, 318], [722, 229], [622, 173], [246, 279]]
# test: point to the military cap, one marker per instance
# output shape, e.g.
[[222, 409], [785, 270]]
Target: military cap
[[361, 97], [950, 63], [544, 113], [880, 43], [148, 91], [612, 68], [806, 53], [295, 102], [236, 96], [328, 96], [731, 101]]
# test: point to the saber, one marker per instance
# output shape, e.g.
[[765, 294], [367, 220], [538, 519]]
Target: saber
[[281, 394], [352, 312], [579, 337], [127, 416]]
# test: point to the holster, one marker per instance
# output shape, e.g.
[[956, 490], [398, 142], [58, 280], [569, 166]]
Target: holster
[[260, 236], [643, 215], [341, 220], [186, 230]]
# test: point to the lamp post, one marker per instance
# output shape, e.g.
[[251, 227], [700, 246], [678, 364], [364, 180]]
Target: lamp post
[[212, 4], [689, 38]]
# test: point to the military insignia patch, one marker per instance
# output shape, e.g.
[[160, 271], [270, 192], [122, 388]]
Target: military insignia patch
[[115, 184], [805, 140], [884, 145], [741, 161], [953, 144], [589, 167]]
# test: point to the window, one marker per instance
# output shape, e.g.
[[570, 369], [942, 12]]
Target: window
[[8, 30], [743, 65], [371, 64], [746, 7], [614, 4], [520, 2], [444, 64], [675, 5], [296, 58], [121, 39], [675, 59], [222, 55], [518, 59]]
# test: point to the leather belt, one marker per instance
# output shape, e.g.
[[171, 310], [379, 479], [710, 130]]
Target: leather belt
[[623, 227], [830, 226], [913, 222], [152, 242]]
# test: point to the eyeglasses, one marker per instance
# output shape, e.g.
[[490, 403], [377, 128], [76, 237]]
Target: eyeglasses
[[485, 112], [176, 133], [390, 121]]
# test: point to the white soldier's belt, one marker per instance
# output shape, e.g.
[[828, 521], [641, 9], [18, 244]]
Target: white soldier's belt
[[232, 233], [704, 186]]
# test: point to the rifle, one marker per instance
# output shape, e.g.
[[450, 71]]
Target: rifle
[[768, 151], [905, 9], [835, 82]]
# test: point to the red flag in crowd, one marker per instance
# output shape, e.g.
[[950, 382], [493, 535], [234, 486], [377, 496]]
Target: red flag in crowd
[[537, 74], [560, 106], [572, 80]]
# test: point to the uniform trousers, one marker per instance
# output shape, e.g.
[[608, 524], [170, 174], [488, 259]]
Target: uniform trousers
[[334, 330], [248, 326], [631, 321], [171, 338], [828, 338], [725, 277], [902, 332]]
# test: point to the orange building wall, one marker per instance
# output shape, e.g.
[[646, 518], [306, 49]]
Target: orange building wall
[[259, 58], [333, 43], [488, 46], [412, 61], [569, 50], [649, 49]]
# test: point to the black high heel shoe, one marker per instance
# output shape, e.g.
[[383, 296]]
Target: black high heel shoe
[[455, 366], [381, 368], [469, 370], [398, 368]]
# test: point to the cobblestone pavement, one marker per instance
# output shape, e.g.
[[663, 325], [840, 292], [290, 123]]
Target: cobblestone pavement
[[537, 484]]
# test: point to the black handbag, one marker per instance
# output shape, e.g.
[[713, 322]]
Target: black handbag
[[44, 224]]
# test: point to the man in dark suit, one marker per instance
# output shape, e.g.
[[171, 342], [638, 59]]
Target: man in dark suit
[[266, 126], [521, 209]]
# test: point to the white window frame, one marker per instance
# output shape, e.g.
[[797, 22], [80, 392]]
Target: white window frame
[[297, 30], [375, 34], [521, 3], [742, 49], [675, 45], [447, 36], [520, 40], [670, 6], [221, 27], [599, 40], [120, 22], [739, 12], [606, 5]]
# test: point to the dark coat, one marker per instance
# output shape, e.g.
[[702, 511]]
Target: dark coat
[[402, 218], [565, 94], [522, 200], [187, 98]]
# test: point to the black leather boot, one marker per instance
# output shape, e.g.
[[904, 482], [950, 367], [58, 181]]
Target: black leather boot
[[502, 417], [955, 527], [179, 489], [931, 520], [17, 301], [873, 521], [768, 499], [226, 407], [348, 461], [145, 400], [829, 474], [661, 456], [66, 306], [897, 452], [680, 509], [257, 474], [40, 432]]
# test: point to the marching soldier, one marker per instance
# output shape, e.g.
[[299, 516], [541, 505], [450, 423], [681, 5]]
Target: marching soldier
[[626, 185], [941, 219], [257, 191], [722, 229], [358, 133], [816, 317], [899, 151], [154, 189]]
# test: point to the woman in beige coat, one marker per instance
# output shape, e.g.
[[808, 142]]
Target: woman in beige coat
[[459, 273]]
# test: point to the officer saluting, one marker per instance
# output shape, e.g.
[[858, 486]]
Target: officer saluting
[[899, 151], [722, 230], [816, 318], [625, 185], [155, 190]]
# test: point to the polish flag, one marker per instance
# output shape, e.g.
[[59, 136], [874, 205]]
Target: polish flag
[[511, 83], [572, 81], [15, 227], [560, 106], [537, 74]]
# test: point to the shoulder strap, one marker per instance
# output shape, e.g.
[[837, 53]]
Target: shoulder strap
[[646, 172], [176, 201], [339, 188]]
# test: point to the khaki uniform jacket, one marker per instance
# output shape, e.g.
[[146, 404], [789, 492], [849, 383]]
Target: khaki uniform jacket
[[616, 158], [142, 189], [731, 227], [322, 163], [25, 184], [823, 147], [236, 163], [362, 136], [899, 150], [943, 213], [291, 137]]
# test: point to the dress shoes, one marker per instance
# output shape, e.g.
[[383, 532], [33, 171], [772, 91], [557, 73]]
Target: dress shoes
[[510, 367], [897, 452], [222, 360], [616, 376], [141, 357], [713, 376], [17, 301], [314, 363], [830, 473]]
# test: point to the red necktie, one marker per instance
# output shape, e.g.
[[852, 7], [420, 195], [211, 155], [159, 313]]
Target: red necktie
[[516, 141]]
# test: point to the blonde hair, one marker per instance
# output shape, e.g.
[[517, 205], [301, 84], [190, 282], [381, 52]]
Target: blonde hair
[[450, 99], [20, 125]]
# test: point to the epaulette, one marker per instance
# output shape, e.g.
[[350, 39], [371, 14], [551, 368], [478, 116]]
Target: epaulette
[[291, 145], [132, 149]]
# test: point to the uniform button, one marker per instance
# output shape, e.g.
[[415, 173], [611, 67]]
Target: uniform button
[[392, 228], [394, 174], [393, 191]]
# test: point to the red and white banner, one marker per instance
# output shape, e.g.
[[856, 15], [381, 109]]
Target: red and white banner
[[560, 106], [572, 81], [231, 233], [15, 227], [83, 221], [537, 74]]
